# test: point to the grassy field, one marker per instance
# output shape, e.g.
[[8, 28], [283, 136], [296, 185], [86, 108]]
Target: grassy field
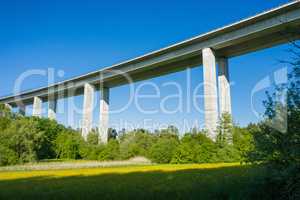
[[201, 181]]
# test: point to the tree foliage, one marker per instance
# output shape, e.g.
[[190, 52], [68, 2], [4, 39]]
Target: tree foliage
[[23, 137], [224, 130], [30, 139], [163, 150], [68, 144], [277, 138], [136, 143]]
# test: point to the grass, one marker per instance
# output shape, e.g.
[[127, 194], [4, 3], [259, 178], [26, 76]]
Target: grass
[[191, 181], [74, 164]]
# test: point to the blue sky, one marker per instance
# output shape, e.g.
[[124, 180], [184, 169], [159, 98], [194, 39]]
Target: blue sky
[[83, 36]]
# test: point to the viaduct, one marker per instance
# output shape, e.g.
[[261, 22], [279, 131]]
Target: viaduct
[[211, 50]]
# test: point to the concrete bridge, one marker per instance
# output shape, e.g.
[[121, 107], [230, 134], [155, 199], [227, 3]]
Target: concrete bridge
[[212, 50]]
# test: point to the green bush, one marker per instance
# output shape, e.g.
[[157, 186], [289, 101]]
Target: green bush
[[111, 151], [93, 137], [23, 138], [224, 130], [195, 148], [6, 117], [51, 129], [136, 143], [243, 140], [163, 150], [7, 156], [27, 139], [91, 152], [227, 154], [206, 153], [69, 145], [185, 154], [20, 138]]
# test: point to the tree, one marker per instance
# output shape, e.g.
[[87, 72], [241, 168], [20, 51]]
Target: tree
[[51, 129], [93, 137], [6, 117], [195, 148], [68, 144], [243, 140], [277, 138], [163, 150], [278, 146], [111, 151], [170, 132], [23, 137], [185, 154], [136, 143], [224, 130], [8, 156]]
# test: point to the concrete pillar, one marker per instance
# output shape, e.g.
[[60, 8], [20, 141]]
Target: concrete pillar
[[224, 86], [37, 107], [22, 109], [210, 92], [52, 104], [88, 105], [104, 115]]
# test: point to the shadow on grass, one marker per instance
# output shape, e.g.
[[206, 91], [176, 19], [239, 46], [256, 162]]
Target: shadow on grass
[[221, 183]]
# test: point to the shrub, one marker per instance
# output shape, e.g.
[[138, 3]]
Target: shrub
[[227, 154], [68, 144], [136, 143], [93, 137], [243, 140], [24, 139], [224, 130], [163, 150], [206, 153], [111, 151], [91, 152], [184, 154], [195, 148], [6, 117], [7, 156], [51, 129]]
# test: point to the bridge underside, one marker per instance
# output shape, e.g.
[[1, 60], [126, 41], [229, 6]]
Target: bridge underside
[[238, 47]]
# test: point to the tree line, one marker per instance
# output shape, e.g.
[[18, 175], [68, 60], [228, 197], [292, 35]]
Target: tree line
[[30, 139]]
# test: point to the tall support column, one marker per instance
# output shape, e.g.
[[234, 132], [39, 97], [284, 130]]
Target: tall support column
[[52, 104], [210, 92], [104, 115], [88, 105], [224, 86], [37, 107]]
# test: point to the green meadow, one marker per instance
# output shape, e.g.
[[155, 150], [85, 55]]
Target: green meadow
[[189, 181]]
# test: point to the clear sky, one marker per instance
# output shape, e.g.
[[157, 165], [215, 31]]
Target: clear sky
[[83, 36]]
